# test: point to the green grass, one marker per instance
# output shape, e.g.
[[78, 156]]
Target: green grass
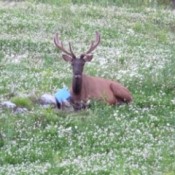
[[22, 102], [137, 49]]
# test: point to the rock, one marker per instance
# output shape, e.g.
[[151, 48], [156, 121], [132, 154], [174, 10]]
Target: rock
[[20, 110], [8, 105], [67, 106], [81, 105], [13, 107], [47, 99]]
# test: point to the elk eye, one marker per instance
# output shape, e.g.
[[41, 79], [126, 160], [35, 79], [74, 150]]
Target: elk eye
[[83, 62]]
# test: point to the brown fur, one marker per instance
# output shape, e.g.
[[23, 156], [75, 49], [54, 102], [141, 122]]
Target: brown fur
[[102, 89]]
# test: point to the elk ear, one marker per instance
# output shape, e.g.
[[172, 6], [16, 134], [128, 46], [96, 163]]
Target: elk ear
[[67, 58], [88, 57]]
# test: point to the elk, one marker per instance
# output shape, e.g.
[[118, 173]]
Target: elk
[[85, 87]]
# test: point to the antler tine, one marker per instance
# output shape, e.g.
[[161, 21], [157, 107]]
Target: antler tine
[[94, 44], [70, 48], [59, 44]]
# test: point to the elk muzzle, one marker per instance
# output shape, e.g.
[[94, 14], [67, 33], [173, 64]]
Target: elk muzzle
[[77, 67]]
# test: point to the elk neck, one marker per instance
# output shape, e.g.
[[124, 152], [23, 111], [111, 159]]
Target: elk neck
[[77, 84]]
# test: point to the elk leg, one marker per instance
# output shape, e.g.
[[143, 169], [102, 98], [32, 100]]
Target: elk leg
[[121, 93]]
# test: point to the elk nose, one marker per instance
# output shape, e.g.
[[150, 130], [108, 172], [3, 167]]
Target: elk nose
[[77, 76]]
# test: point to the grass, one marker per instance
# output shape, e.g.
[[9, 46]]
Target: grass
[[137, 49]]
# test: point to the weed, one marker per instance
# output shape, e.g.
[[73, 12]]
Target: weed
[[22, 102]]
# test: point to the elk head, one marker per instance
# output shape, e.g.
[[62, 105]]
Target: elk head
[[69, 56]]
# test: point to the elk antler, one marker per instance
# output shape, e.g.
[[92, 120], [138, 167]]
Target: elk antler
[[59, 44], [94, 44]]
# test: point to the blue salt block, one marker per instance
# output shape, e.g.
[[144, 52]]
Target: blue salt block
[[62, 95]]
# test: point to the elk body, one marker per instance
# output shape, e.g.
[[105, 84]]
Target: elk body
[[85, 87]]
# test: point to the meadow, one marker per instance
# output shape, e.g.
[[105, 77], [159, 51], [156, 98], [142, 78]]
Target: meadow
[[137, 49]]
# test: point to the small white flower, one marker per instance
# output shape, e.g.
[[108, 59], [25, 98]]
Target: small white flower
[[173, 101]]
